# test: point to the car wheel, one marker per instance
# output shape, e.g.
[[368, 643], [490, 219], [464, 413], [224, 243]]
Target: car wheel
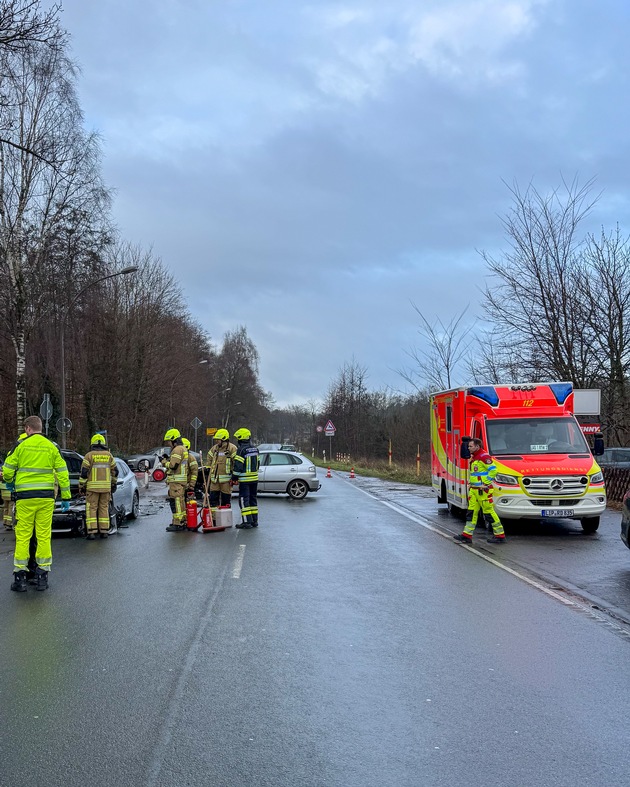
[[135, 506], [143, 465], [590, 524], [159, 474], [297, 489]]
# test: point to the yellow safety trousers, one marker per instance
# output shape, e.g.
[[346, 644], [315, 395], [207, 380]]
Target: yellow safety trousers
[[97, 511], [177, 502], [478, 500], [7, 508], [33, 514]]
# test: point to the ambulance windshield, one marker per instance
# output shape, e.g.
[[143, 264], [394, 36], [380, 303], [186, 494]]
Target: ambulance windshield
[[535, 436]]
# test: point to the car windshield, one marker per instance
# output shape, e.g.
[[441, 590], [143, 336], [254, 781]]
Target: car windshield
[[535, 436]]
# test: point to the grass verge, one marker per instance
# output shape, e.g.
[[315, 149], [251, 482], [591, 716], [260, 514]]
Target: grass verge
[[404, 474]]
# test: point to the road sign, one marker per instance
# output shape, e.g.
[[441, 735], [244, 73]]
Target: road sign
[[64, 425], [46, 408], [329, 429], [212, 431], [319, 429], [195, 423]]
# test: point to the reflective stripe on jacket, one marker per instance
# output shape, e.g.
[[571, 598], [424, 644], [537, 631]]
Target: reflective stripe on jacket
[[33, 466], [220, 461], [177, 465], [98, 471], [246, 463], [482, 470]]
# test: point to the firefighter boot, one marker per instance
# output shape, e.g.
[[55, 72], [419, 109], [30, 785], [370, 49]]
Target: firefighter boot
[[42, 579], [496, 540], [463, 538], [174, 528], [244, 525], [19, 581]]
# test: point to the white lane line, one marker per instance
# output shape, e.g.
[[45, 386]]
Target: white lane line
[[420, 521], [238, 562]]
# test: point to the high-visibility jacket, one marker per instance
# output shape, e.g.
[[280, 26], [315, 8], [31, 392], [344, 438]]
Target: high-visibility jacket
[[220, 462], [246, 462], [98, 471], [482, 470], [33, 466], [177, 465], [193, 470]]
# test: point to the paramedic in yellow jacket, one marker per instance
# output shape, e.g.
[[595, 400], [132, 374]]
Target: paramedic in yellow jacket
[[97, 481], [30, 471], [481, 473], [220, 462], [8, 504], [176, 465]]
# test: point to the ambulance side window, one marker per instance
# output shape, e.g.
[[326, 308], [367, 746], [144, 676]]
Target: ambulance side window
[[449, 418], [477, 430]]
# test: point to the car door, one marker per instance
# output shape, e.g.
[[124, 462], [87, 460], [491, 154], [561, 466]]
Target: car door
[[278, 471]]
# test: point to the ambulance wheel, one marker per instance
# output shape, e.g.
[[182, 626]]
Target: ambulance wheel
[[590, 524]]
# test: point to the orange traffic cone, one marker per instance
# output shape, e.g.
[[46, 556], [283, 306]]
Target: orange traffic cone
[[329, 474], [352, 475]]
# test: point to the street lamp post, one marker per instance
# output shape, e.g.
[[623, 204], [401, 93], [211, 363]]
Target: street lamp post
[[192, 365], [211, 399], [123, 272], [227, 417]]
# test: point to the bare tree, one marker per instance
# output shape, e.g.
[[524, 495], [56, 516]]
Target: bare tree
[[438, 362], [540, 322], [23, 22], [45, 120]]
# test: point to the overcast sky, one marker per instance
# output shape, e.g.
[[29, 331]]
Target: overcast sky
[[310, 169]]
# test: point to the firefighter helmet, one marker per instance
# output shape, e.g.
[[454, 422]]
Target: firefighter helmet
[[186, 442], [242, 434], [172, 434], [222, 434], [98, 439]]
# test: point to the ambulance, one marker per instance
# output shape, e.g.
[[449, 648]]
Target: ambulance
[[545, 468]]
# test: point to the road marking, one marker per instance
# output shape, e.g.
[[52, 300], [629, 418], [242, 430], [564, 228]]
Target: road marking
[[423, 522], [238, 562]]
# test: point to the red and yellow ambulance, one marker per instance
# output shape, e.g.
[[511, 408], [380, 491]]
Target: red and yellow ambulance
[[545, 466]]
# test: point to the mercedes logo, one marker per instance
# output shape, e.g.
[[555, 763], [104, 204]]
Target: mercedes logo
[[557, 484]]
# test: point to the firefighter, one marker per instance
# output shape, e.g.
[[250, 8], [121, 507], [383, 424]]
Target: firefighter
[[482, 471], [177, 479], [220, 462], [8, 505], [246, 473], [193, 468], [98, 483], [30, 471]]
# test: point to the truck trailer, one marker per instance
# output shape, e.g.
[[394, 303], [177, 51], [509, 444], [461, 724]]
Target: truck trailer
[[545, 468]]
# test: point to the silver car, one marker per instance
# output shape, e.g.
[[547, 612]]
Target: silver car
[[287, 472], [125, 500]]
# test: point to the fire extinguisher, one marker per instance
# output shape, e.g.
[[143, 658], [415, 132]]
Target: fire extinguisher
[[192, 522]]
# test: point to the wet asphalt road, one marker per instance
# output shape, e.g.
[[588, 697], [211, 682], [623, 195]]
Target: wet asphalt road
[[344, 642]]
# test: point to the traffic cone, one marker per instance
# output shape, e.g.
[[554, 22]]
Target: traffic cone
[[352, 475], [329, 474]]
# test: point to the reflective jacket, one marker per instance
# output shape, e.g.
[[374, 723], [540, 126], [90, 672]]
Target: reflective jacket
[[246, 462], [98, 471], [193, 470], [33, 465], [177, 465], [220, 461], [482, 470]]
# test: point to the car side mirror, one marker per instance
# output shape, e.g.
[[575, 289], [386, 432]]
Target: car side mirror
[[598, 444], [464, 450], [119, 483]]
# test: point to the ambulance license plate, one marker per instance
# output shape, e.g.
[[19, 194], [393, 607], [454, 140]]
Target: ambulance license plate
[[558, 512]]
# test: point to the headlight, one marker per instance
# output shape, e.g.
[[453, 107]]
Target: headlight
[[506, 480], [597, 478]]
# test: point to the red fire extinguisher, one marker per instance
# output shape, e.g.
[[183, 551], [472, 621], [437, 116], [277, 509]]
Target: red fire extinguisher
[[192, 523]]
